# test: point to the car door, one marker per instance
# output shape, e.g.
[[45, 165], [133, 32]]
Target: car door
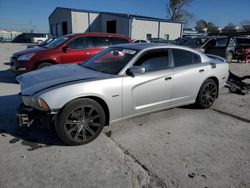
[[151, 90], [76, 51], [210, 47], [217, 47], [188, 76]]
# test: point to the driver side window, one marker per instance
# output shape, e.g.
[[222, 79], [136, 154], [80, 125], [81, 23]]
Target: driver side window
[[154, 60], [79, 43]]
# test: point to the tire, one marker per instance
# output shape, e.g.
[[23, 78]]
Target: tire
[[39, 42], [42, 65], [207, 94], [80, 122], [229, 57]]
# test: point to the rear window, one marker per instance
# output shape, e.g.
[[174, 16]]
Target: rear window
[[119, 41], [184, 57], [101, 42]]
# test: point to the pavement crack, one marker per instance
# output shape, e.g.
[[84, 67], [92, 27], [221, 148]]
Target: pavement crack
[[231, 115], [155, 181]]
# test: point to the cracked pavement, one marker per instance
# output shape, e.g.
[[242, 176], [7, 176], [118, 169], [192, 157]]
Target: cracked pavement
[[181, 147]]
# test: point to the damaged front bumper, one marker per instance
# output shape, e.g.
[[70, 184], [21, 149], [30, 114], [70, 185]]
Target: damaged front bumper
[[27, 116]]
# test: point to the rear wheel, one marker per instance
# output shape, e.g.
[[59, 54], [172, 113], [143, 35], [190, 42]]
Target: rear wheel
[[229, 57], [42, 65], [207, 94], [80, 122]]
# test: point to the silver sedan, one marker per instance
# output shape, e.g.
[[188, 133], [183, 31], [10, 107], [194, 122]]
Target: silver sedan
[[118, 83]]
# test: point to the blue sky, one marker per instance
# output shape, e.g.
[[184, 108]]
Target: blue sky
[[23, 15]]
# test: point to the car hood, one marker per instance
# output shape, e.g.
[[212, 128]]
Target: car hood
[[56, 75], [29, 50]]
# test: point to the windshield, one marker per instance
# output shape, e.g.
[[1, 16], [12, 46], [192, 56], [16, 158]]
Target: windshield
[[195, 42], [110, 60], [56, 42], [47, 41]]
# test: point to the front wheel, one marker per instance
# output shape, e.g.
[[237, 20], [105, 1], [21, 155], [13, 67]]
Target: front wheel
[[80, 122], [207, 94]]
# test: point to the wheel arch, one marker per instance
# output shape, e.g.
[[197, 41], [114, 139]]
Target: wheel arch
[[231, 51], [45, 61], [99, 101], [216, 81], [104, 105]]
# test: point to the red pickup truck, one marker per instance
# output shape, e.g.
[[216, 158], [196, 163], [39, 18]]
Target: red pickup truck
[[72, 48]]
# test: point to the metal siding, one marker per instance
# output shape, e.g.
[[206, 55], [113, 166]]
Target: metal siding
[[171, 29], [59, 16], [140, 28], [95, 22], [122, 24], [80, 22]]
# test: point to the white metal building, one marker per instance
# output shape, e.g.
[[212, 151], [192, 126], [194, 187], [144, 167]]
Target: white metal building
[[66, 20]]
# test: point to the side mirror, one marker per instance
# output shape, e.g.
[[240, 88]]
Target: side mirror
[[135, 70], [65, 49]]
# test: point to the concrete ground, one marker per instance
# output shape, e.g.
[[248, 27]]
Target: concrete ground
[[181, 147]]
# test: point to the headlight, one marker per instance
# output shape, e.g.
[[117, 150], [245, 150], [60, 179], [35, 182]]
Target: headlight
[[26, 57], [43, 105], [40, 103]]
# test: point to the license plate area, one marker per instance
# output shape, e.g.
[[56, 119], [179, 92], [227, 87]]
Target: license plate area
[[24, 120]]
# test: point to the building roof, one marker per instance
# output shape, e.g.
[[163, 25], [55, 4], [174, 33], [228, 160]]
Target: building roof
[[116, 14]]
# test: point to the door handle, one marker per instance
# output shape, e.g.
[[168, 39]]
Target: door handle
[[87, 53], [168, 78], [201, 70]]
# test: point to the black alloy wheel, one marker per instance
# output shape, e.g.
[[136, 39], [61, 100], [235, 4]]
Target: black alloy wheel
[[80, 122], [207, 94]]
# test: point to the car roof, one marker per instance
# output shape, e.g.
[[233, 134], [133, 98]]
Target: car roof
[[148, 46], [142, 46], [97, 34]]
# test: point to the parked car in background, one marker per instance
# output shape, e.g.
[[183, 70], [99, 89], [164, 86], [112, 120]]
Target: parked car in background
[[72, 48], [242, 48], [160, 40], [121, 82], [197, 43], [30, 38], [221, 46], [42, 44], [141, 41], [39, 39], [181, 41]]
